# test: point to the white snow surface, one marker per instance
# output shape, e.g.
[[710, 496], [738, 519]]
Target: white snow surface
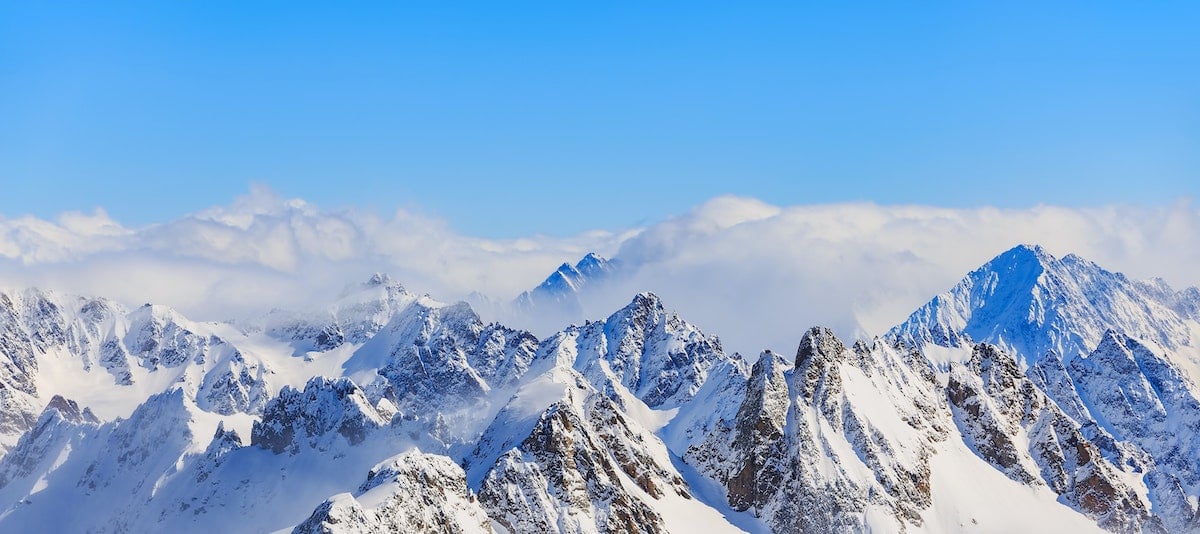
[[342, 418]]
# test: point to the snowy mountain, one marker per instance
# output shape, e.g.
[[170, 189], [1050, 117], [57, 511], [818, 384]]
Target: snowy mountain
[[564, 284], [111, 359], [1117, 358], [1031, 303], [559, 294], [1036, 395]]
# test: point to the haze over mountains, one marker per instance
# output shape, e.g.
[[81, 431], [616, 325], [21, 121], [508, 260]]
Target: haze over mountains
[[857, 268], [1038, 394]]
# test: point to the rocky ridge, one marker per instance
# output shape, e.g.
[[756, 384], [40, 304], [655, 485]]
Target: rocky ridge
[[392, 410]]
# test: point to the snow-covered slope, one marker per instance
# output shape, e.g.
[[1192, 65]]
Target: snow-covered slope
[[660, 358], [835, 439], [1037, 395], [1101, 365], [1030, 303], [411, 492], [111, 360]]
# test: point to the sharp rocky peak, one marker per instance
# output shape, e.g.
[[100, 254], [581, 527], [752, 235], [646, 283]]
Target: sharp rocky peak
[[593, 265], [642, 303], [819, 344], [71, 411], [837, 437]]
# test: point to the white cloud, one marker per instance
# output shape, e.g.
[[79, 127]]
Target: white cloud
[[756, 274], [760, 277], [263, 251]]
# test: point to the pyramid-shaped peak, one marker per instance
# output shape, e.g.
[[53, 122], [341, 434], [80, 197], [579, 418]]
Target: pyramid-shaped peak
[[1022, 255], [566, 269], [1113, 339], [591, 261], [596, 266], [1029, 303], [156, 312], [592, 257], [768, 360]]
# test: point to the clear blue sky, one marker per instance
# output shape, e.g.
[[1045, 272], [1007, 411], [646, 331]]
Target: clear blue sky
[[508, 118]]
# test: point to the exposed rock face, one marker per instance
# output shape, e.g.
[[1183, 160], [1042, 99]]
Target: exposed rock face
[[1142, 398], [156, 338], [444, 356], [61, 420], [412, 492], [238, 386], [578, 464], [656, 355], [1017, 429], [757, 441], [316, 416], [585, 492], [806, 430], [30, 323], [1114, 359], [637, 423], [90, 335]]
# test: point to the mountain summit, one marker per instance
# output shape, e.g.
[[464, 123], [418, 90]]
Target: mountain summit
[[559, 292], [1038, 394], [1031, 304]]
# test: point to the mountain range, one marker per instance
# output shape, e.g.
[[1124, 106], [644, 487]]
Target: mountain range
[[1039, 394]]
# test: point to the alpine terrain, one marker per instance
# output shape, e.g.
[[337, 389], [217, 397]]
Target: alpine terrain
[[1039, 394]]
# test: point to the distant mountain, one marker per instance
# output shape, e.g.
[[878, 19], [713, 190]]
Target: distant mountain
[[1037, 395], [359, 312], [560, 293]]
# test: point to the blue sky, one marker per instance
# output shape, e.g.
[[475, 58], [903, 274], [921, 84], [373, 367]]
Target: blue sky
[[509, 119]]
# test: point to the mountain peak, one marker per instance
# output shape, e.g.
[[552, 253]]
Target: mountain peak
[[70, 410], [1024, 256], [373, 284], [1030, 303], [593, 265], [820, 343], [1031, 248], [645, 301], [379, 279]]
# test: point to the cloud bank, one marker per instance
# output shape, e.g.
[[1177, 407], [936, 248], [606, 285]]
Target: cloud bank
[[265, 251], [757, 275], [764, 274]]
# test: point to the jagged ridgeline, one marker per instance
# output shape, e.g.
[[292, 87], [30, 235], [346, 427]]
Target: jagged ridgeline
[[1037, 395]]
